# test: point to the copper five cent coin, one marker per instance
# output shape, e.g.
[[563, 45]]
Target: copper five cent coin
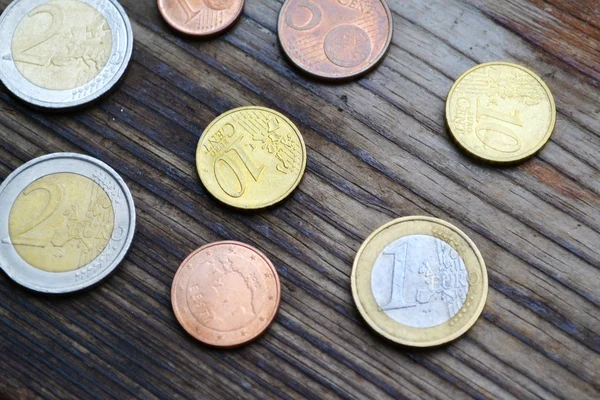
[[200, 17], [335, 39], [226, 294]]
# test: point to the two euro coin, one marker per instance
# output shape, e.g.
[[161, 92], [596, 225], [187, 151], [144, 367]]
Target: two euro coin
[[68, 221], [61, 54]]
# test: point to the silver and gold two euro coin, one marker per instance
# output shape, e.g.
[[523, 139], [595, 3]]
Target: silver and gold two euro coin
[[66, 222], [60, 54], [419, 282]]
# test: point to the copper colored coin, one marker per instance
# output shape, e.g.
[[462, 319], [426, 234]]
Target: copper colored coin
[[226, 294], [200, 17], [335, 39]]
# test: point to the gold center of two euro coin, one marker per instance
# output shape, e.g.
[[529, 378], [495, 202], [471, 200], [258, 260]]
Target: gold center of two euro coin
[[251, 157], [500, 112], [61, 222], [62, 44]]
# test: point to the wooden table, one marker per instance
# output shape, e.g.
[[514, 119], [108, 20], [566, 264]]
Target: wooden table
[[378, 150]]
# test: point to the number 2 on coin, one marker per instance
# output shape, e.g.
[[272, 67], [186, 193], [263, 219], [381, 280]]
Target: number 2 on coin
[[230, 161], [316, 15], [54, 29], [55, 197]]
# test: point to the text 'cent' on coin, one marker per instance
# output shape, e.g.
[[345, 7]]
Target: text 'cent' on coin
[[201, 17], [419, 282], [63, 53], [251, 157], [67, 222], [500, 112], [335, 39], [226, 294]]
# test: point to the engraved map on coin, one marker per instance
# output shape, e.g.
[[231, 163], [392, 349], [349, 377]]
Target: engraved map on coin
[[61, 222], [335, 39], [62, 44], [420, 281], [200, 17], [501, 112], [251, 157], [212, 299], [226, 294]]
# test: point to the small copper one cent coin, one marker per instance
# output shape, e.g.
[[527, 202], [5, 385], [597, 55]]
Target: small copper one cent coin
[[226, 294], [201, 17], [335, 39]]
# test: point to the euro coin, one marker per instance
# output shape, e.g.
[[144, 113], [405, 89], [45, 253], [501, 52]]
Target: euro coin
[[251, 157], [226, 294], [500, 112], [67, 222], [61, 54], [200, 17], [335, 39], [419, 282]]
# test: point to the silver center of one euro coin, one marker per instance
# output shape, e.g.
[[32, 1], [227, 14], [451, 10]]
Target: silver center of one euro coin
[[66, 222], [420, 281], [61, 54]]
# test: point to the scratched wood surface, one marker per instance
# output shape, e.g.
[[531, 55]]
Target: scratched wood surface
[[378, 149]]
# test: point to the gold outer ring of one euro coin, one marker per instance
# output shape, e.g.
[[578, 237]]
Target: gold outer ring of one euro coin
[[419, 282], [251, 158], [500, 113]]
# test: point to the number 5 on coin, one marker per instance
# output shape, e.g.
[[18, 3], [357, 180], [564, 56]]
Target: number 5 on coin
[[316, 15]]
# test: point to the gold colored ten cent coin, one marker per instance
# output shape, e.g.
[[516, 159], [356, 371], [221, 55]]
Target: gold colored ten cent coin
[[251, 157], [501, 112], [419, 282]]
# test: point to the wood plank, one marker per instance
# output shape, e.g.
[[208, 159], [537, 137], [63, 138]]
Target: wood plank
[[378, 149]]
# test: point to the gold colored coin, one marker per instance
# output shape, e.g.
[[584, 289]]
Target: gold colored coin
[[62, 44], [251, 157], [419, 282], [501, 112], [61, 222]]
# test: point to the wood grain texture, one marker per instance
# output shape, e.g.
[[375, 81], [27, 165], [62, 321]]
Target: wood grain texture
[[378, 150]]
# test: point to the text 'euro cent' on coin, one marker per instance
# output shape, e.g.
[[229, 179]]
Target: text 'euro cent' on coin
[[200, 17], [335, 39], [419, 282], [226, 294], [500, 112], [63, 53], [67, 222], [251, 157]]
